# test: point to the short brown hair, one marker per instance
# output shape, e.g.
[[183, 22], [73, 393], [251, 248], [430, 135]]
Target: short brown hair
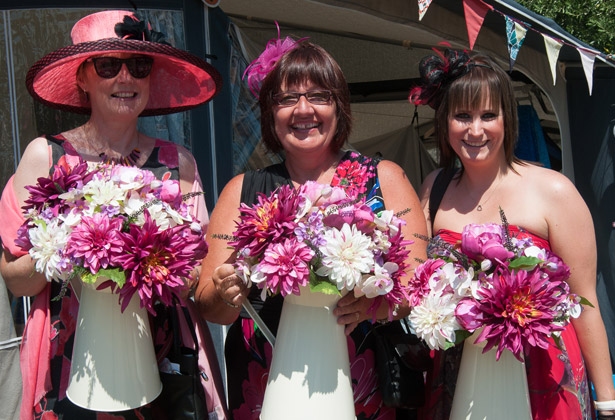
[[469, 92], [306, 63]]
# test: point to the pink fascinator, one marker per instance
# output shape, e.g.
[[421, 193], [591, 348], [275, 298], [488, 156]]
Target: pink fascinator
[[260, 68]]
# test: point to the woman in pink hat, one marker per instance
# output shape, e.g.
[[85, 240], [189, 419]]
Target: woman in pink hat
[[116, 70]]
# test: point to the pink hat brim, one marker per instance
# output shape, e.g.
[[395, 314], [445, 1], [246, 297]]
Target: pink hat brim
[[179, 80]]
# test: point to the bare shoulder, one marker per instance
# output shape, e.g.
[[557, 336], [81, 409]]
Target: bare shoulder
[[391, 175], [37, 151], [33, 164], [233, 187], [394, 183], [230, 196], [547, 182], [388, 168]]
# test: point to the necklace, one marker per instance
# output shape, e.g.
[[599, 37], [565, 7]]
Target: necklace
[[480, 206], [130, 160]]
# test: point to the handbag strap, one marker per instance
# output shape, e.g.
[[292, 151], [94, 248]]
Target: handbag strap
[[177, 331]]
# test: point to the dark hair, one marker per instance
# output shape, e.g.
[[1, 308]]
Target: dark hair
[[306, 63], [469, 91]]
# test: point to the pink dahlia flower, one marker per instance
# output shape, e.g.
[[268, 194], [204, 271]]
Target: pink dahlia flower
[[285, 267], [419, 284], [157, 261], [398, 253], [46, 192], [268, 221], [516, 312], [484, 241], [95, 240]]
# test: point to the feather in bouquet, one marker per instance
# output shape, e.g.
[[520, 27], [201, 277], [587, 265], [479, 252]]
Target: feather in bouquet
[[317, 235], [509, 289], [115, 221]]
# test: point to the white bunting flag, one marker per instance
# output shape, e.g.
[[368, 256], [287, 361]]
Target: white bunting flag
[[587, 59], [552, 46]]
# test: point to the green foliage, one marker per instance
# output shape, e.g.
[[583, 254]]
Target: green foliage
[[591, 21], [320, 284], [524, 263], [119, 277]]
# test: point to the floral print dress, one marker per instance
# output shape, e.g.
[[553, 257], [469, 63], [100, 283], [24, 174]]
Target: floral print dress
[[557, 382], [248, 354]]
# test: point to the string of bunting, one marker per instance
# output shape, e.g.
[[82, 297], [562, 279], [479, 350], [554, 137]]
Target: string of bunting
[[516, 31]]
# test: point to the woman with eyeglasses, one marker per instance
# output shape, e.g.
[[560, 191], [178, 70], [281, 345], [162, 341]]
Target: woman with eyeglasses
[[116, 70], [305, 115]]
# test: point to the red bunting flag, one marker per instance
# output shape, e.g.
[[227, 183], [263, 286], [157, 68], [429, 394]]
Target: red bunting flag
[[475, 11]]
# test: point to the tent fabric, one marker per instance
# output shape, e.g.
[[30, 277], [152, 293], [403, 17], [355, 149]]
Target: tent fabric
[[404, 147]]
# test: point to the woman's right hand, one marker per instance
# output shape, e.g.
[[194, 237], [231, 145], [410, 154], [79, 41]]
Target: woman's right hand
[[231, 288]]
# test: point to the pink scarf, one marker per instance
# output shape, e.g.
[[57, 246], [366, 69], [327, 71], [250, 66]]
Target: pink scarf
[[36, 344]]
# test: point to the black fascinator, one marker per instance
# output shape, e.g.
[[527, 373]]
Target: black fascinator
[[437, 72], [134, 28]]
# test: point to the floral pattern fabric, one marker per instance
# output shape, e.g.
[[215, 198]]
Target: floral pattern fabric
[[248, 354], [557, 382]]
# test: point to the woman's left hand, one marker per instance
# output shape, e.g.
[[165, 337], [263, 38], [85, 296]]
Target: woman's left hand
[[351, 311]]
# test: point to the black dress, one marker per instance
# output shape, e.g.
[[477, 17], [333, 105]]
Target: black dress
[[248, 353]]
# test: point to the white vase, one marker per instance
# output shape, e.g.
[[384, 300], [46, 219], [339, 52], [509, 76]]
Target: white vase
[[310, 371], [490, 389], [113, 367]]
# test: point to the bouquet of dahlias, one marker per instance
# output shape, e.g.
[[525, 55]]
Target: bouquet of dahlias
[[317, 235], [512, 289], [114, 221]]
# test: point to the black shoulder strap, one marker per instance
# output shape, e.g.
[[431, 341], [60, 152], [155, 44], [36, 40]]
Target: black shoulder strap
[[263, 181], [57, 149], [438, 189]]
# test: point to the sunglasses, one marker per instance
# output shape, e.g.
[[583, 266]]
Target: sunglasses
[[315, 97], [109, 67]]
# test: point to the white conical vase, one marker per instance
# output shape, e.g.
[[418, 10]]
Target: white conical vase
[[490, 389], [114, 365], [310, 372]]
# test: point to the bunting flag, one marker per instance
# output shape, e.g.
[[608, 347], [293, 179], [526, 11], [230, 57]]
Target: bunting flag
[[552, 46], [587, 59], [515, 33], [475, 12], [423, 6]]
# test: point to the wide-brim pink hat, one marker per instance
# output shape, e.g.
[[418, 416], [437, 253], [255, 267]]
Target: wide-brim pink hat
[[178, 81]]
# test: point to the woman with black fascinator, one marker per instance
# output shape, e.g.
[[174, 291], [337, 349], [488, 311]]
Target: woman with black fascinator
[[476, 128]]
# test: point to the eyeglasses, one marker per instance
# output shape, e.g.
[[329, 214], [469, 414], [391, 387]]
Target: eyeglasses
[[315, 97], [109, 67]]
